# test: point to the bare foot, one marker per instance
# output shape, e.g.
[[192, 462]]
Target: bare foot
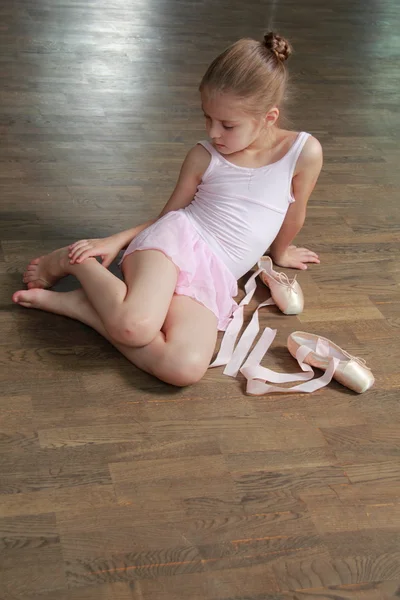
[[69, 304], [30, 298], [43, 272]]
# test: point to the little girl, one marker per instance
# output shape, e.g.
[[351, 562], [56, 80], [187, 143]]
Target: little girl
[[241, 193]]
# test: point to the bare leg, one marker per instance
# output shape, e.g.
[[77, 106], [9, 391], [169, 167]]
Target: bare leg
[[179, 354], [131, 312]]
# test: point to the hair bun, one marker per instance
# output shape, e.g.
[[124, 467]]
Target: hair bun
[[278, 46]]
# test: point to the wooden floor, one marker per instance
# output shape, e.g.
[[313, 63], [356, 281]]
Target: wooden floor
[[114, 486]]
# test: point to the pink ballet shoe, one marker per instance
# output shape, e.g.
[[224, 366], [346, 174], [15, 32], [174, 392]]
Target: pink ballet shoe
[[318, 352], [286, 293]]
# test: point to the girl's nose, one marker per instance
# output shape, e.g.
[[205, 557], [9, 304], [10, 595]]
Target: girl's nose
[[215, 131]]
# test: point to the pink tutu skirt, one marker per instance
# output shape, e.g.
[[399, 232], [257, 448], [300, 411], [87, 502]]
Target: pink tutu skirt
[[202, 275]]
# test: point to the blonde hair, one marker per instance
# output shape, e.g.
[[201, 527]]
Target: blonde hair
[[254, 71]]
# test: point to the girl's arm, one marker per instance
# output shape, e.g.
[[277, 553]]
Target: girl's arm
[[308, 168]]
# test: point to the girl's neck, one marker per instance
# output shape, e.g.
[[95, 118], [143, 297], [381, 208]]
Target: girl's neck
[[265, 143], [265, 150], [267, 139]]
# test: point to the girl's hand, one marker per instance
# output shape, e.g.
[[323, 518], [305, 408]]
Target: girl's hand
[[296, 258], [107, 248]]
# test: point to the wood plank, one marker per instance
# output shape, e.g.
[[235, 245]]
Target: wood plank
[[113, 485]]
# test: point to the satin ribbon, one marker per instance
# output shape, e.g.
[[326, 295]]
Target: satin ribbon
[[227, 354], [256, 375]]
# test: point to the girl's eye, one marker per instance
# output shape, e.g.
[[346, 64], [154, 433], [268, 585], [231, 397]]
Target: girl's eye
[[226, 127]]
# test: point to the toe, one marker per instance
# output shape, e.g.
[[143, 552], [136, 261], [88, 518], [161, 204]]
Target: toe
[[25, 303], [36, 283], [28, 298], [20, 298]]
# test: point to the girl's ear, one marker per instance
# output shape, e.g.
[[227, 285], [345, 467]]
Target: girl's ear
[[272, 116]]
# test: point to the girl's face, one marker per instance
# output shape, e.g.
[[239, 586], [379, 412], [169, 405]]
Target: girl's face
[[230, 128]]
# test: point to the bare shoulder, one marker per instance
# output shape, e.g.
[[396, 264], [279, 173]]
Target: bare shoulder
[[312, 148], [308, 169], [197, 160], [311, 156]]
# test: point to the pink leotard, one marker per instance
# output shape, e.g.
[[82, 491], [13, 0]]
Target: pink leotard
[[239, 211]]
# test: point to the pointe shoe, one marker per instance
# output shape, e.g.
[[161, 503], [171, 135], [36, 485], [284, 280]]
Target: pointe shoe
[[286, 293], [351, 371]]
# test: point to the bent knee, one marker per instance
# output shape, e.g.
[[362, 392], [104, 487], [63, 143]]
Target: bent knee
[[187, 370], [133, 332]]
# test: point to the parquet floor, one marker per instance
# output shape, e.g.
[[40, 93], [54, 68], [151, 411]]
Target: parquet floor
[[114, 486]]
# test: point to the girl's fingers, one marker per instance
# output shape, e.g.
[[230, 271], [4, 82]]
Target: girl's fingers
[[82, 255], [78, 247], [74, 255], [78, 253], [307, 251], [72, 246], [300, 265], [310, 259], [86, 254], [307, 255], [314, 260]]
